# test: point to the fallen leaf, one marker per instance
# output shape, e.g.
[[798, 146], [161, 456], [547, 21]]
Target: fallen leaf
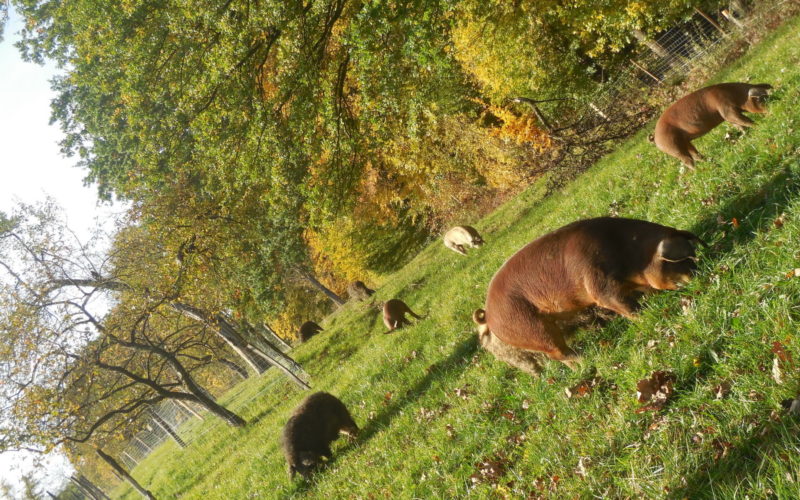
[[777, 373], [509, 415], [490, 469], [516, 439], [781, 353], [657, 388], [584, 387], [425, 415], [580, 470], [720, 448], [722, 389], [463, 392]]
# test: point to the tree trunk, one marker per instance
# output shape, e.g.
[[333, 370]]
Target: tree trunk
[[167, 428], [249, 342], [89, 493], [224, 330], [122, 472], [322, 288], [219, 410], [200, 395], [97, 492]]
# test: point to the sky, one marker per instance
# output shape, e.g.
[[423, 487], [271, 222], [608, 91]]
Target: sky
[[32, 168]]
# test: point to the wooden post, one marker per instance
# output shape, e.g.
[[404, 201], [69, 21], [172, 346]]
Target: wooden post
[[268, 332], [122, 472], [651, 75], [727, 14], [656, 47], [598, 111], [189, 409], [711, 20], [133, 462], [322, 288]]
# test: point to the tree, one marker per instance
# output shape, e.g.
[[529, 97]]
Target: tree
[[70, 371], [267, 117]]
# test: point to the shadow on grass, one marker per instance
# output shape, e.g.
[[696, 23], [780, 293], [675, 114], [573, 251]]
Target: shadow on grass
[[733, 465], [437, 372], [773, 196]]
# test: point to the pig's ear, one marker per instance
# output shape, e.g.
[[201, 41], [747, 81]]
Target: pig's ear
[[675, 249]]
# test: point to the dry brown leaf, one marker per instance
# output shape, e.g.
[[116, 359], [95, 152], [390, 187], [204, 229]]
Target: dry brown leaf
[[490, 469], [584, 387], [463, 392], [657, 389], [722, 389]]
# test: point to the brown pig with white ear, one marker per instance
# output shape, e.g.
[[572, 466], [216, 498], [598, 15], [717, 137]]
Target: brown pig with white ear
[[394, 314], [696, 114], [607, 262]]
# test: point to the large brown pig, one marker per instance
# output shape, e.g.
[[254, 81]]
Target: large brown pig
[[697, 113], [606, 262], [308, 434], [394, 314]]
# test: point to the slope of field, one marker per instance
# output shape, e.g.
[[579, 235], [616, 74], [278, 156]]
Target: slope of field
[[441, 418]]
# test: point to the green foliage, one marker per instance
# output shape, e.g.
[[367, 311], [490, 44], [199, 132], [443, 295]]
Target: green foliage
[[433, 406], [553, 48]]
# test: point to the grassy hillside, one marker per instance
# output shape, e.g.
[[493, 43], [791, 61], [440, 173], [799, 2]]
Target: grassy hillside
[[441, 418]]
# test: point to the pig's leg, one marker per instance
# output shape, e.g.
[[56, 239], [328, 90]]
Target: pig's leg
[[696, 156], [525, 328], [735, 116], [679, 147], [611, 294]]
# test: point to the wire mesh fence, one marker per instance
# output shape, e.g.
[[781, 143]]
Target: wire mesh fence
[[698, 42]]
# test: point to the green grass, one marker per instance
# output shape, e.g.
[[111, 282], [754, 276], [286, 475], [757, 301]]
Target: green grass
[[432, 405]]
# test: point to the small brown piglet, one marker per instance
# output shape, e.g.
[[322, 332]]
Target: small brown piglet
[[394, 314]]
